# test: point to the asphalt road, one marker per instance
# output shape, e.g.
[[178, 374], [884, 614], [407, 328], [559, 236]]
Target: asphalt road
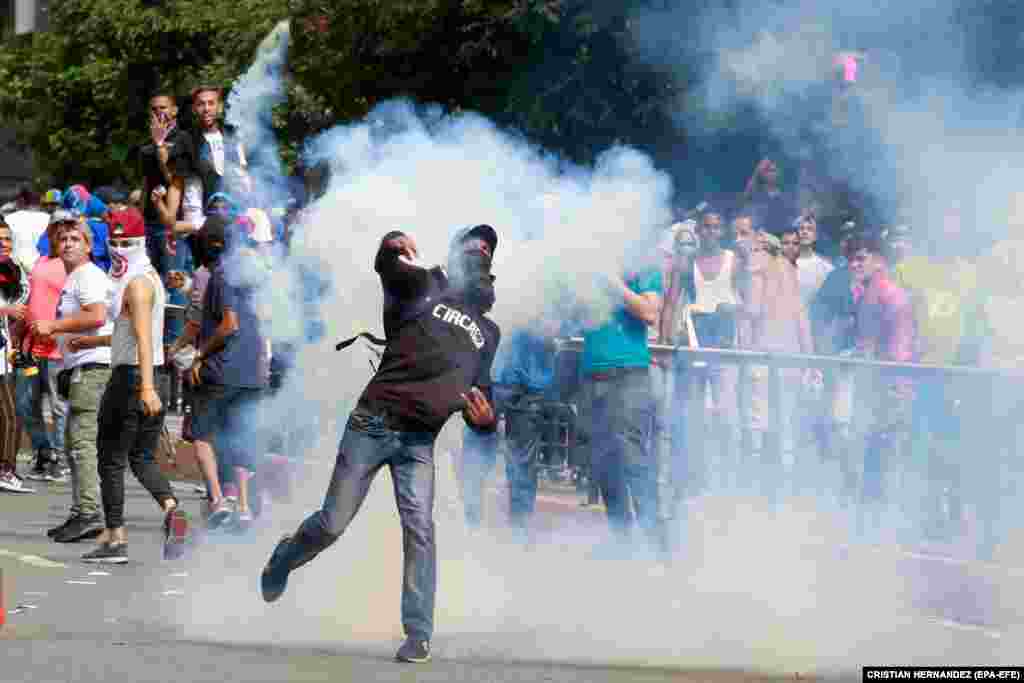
[[544, 615]]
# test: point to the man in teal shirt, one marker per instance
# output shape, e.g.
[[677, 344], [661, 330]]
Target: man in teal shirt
[[615, 364]]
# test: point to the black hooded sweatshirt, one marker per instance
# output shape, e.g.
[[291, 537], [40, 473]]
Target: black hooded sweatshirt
[[439, 345]]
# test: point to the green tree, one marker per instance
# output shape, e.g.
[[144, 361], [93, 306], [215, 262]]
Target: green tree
[[77, 94], [558, 70]]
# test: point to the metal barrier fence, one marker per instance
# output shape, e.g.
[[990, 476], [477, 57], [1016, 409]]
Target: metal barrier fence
[[912, 480], [801, 360]]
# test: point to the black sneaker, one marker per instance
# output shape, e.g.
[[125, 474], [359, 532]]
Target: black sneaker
[[274, 579], [38, 471], [413, 651], [107, 553], [79, 529], [60, 527], [56, 472]]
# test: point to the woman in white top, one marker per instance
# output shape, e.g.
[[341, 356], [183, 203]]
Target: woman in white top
[[13, 297]]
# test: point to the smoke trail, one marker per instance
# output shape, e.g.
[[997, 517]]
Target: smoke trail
[[916, 132], [250, 108]]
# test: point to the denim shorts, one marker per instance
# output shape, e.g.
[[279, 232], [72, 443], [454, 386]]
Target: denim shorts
[[228, 418]]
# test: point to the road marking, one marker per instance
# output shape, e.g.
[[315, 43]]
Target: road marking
[[173, 592], [961, 626], [80, 583], [179, 575], [99, 573], [33, 560]]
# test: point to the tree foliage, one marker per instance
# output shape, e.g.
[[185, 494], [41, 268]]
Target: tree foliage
[[557, 70], [77, 94]]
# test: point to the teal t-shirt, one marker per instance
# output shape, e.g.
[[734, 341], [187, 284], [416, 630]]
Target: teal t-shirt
[[622, 341]]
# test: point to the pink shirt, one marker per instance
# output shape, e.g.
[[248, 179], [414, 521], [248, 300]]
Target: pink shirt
[[45, 282], [885, 320]]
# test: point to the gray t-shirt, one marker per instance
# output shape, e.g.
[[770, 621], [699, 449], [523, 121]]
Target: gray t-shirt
[[243, 362]]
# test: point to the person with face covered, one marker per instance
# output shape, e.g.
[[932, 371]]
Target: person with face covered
[[228, 375], [131, 414], [437, 361]]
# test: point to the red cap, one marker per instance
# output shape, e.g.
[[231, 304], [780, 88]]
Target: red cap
[[126, 224]]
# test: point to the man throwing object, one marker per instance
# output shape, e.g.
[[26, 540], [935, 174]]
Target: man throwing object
[[437, 360]]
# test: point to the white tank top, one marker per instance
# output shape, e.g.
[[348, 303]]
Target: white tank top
[[123, 345], [720, 290]]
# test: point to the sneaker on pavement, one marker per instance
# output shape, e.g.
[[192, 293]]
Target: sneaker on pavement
[[220, 513], [107, 553], [413, 651], [60, 527], [176, 526], [243, 522], [38, 471], [274, 579], [12, 483], [56, 472], [80, 528]]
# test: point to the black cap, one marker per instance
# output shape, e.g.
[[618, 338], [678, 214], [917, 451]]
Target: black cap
[[483, 231]]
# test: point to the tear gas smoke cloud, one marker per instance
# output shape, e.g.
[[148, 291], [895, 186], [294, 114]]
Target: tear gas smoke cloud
[[918, 130], [756, 589]]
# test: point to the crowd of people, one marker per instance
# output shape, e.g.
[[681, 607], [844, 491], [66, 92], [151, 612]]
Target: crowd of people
[[654, 430], [109, 301], [113, 303]]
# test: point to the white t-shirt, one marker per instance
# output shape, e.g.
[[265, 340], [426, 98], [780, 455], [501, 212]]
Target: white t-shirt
[[262, 230], [216, 142], [86, 285], [811, 272], [192, 200]]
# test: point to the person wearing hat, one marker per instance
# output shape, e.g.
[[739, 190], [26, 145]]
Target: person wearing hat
[[131, 414], [439, 347]]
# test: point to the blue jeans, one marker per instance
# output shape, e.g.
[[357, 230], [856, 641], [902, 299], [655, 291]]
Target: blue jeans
[[479, 454], [621, 413], [29, 405], [367, 446], [180, 260], [229, 419]]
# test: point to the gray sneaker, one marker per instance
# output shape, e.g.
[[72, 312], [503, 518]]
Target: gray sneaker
[[56, 472], [413, 651], [107, 553], [220, 513]]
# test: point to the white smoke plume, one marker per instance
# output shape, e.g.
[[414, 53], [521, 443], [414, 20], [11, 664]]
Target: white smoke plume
[[756, 589]]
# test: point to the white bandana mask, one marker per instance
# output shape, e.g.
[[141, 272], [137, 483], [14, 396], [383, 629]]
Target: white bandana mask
[[126, 264]]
